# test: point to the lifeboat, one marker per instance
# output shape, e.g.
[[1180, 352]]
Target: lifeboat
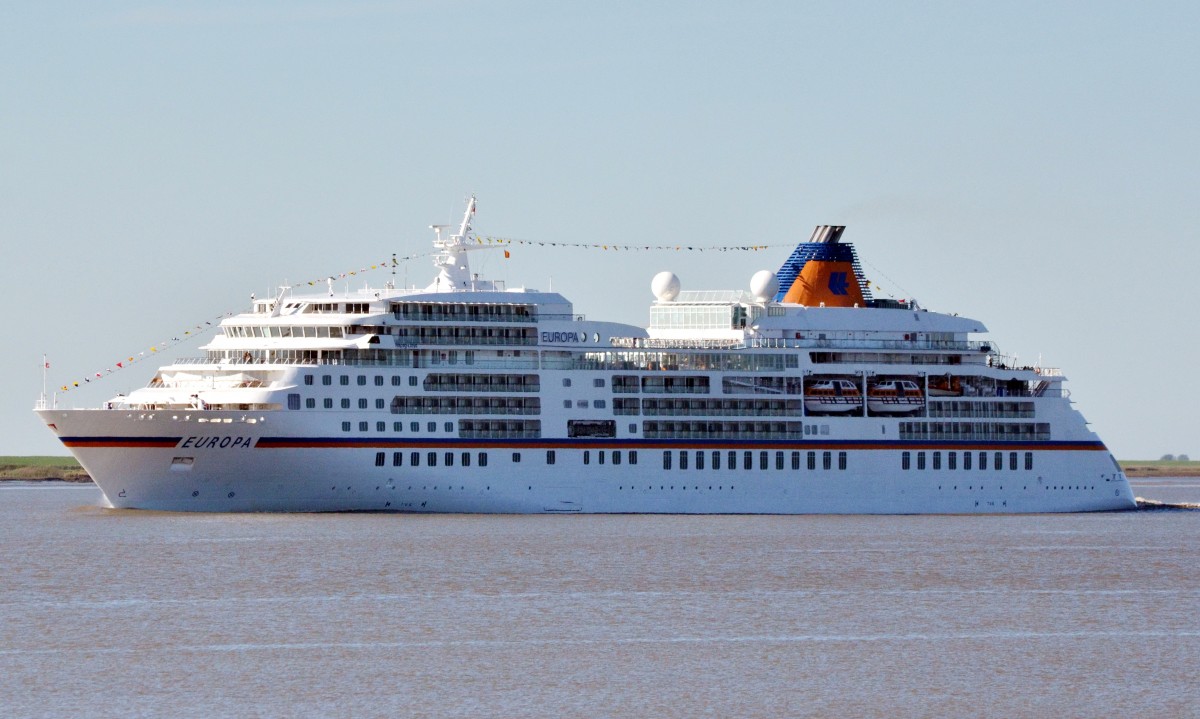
[[898, 396], [835, 396], [945, 386]]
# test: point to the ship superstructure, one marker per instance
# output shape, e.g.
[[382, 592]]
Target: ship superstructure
[[802, 394]]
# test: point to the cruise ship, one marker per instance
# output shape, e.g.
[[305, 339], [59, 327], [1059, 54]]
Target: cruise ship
[[801, 394]]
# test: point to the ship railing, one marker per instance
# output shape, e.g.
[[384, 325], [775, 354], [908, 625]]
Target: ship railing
[[800, 343], [499, 434], [443, 318], [656, 343], [847, 343]]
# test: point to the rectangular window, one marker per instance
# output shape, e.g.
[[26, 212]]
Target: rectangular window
[[779, 460], [362, 426], [345, 426], [550, 458], [431, 427], [378, 380], [699, 459], [345, 403], [431, 459], [397, 427], [308, 379], [827, 460], [381, 426], [310, 403], [732, 464], [600, 456], [1029, 460], [326, 380], [412, 381], [1012, 461], [415, 426], [516, 457], [967, 460], [951, 460], [362, 403], [449, 426], [466, 459], [937, 460], [362, 380], [812, 460], [328, 403], [983, 460], [483, 459], [379, 403], [414, 459], [762, 461], [379, 459], [598, 382], [396, 380], [998, 461], [747, 460], [667, 460], [616, 458], [795, 461], [293, 401], [683, 460], [633, 456], [905, 460], [344, 379], [397, 459], [449, 459], [716, 459], [920, 460], [841, 460]]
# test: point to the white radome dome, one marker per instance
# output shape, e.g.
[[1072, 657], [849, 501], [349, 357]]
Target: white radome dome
[[764, 285], [665, 286]]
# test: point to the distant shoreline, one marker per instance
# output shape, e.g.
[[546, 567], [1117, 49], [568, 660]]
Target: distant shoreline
[[66, 469]]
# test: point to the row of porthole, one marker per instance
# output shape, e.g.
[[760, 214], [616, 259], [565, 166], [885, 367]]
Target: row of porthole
[[1077, 487], [663, 487]]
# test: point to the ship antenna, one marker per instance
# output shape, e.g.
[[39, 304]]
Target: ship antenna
[[451, 259]]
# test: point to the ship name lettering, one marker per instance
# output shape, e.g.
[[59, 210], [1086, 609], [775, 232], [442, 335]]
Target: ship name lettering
[[561, 337], [225, 442]]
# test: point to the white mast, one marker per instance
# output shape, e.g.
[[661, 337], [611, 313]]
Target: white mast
[[455, 271]]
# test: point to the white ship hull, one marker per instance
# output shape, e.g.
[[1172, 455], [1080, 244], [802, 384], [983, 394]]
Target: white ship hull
[[248, 468]]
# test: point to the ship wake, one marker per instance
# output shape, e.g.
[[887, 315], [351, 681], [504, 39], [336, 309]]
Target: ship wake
[[1153, 505]]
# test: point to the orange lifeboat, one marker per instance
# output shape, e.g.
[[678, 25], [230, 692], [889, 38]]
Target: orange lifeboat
[[899, 396], [834, 396]]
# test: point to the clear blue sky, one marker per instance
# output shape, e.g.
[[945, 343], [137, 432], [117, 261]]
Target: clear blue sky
[[1033, 165]]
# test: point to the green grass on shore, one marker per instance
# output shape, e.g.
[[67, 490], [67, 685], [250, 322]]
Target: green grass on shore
[[42, 468], [12, 462], [1161, 464]]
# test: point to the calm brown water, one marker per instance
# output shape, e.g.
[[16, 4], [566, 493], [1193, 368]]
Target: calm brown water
[[109, 613]]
